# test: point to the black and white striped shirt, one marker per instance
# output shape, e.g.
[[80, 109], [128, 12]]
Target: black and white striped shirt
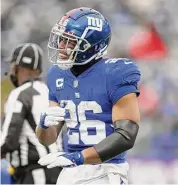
[[22, 114]]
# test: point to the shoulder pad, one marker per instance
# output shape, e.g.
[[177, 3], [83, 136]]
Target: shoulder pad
[[51, 70], [120, 65]]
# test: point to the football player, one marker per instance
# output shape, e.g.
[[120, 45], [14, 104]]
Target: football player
[[95, 97]]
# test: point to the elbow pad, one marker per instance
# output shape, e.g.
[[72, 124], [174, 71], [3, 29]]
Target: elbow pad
[[123, 139]]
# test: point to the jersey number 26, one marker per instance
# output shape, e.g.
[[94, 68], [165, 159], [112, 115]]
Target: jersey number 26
[[79, 126]]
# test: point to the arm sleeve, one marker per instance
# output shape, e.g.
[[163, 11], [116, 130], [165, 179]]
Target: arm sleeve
[[15, 114], [123, 80]]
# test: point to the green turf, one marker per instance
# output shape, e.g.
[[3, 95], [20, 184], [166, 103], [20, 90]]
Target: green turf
[[6, 87]]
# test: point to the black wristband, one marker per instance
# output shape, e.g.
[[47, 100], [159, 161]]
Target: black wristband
[[121, 140]]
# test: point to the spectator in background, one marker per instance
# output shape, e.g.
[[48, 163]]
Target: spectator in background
[[22, 111]]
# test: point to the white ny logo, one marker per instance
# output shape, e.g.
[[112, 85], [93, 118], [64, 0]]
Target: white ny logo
[[95, 23]]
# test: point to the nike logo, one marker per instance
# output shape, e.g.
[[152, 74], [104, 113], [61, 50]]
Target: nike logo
[[128, 62]]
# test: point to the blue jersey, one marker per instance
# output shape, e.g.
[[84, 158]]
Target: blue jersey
[[89, 98]]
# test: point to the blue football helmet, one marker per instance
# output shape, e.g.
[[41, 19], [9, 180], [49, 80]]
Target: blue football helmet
[[81, 36]]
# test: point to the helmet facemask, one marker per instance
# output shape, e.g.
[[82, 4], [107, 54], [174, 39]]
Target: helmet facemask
[[65, 56]]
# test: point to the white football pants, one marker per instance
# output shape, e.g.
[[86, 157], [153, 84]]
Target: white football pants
[[95, 174]]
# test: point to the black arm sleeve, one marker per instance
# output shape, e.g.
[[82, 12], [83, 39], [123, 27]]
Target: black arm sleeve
[[118, 142], [12, 127]]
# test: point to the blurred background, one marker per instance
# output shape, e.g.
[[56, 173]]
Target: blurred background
[[147, 32]]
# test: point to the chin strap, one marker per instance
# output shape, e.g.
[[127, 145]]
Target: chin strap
[[98, 55], [64, 64], [67, 64], [101, 53]]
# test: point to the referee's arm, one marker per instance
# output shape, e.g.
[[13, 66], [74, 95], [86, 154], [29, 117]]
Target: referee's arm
[[14, 118]]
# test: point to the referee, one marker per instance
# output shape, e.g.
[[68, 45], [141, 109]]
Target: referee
[[19, 143]]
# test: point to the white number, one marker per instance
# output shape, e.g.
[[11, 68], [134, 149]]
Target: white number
[[112, 60], [85, 124], [72, 122], [78, 118], [95, 23]]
